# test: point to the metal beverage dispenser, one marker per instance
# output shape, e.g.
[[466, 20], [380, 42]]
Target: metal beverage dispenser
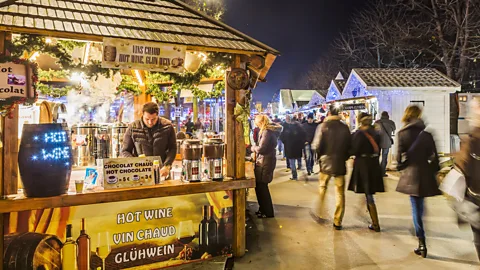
[[116, 139], [84, 144], [191, 161], [214, 149]]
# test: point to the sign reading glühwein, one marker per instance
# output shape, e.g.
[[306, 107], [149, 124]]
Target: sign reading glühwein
[[151, 56]]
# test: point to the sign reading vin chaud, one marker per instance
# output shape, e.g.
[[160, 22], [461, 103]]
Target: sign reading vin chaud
[[15, 82], [151, 56]]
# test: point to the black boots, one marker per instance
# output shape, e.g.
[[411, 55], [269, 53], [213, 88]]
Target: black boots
[[372, 209], [422, 248]]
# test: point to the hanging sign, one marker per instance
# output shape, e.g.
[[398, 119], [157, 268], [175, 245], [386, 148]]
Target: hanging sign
[[18, 79], [151, 56], [353, 107]]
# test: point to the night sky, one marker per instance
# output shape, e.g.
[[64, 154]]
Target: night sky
[[300, 29]]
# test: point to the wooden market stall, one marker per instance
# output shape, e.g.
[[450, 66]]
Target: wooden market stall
[[46, 223]]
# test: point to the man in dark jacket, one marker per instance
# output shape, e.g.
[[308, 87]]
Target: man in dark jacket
[[293, 138], [386, 128], [151, 136], [189, 126], [310, 127], [332, 144]]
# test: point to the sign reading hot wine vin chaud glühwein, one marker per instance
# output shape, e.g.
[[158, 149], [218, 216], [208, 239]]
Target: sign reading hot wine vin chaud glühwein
[[151, 56]]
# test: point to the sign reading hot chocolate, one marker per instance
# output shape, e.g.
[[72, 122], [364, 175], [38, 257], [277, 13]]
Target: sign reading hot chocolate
[[151, 56], [15, 81], [128, 172]]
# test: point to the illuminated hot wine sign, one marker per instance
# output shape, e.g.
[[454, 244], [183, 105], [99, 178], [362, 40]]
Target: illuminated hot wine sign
[[52, 146]]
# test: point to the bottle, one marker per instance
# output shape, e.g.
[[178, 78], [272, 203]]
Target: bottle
[[212, 240], [222, 229], [156, 171], [69, 251], [203, 230], [83, 243]]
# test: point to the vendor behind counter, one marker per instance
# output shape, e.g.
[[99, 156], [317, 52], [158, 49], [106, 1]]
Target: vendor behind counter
[[151, 136]]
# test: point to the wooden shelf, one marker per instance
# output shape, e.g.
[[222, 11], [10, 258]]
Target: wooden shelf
[[170, 188]]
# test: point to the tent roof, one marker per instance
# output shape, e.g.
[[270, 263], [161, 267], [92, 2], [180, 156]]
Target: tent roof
[[398, 78], [168, 21]]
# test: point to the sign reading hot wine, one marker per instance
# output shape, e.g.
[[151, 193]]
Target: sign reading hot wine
[[151, 56], [142, 234]]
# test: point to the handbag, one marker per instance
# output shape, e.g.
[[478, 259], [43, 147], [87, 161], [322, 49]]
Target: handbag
[[389, 135], [454, 184]]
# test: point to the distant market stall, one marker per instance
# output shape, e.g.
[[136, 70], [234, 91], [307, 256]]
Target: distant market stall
[[128, 218]]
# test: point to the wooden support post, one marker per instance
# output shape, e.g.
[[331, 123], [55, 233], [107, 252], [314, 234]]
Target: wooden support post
[[240, 148], [195, 109], [230, 129], [239, 206], [9, 153], [141, 99]]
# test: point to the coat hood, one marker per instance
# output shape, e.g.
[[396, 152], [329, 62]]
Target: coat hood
[[275, 128], [333, 118], [415, 124]]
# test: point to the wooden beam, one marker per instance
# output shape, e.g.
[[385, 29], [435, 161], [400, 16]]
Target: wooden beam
[[170, 188], [240, 147], [230, 128], [239, 207], [141, 99]]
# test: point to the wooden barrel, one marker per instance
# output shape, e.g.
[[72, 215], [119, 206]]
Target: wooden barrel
[[45, 113], [45, 159], [32, 251]]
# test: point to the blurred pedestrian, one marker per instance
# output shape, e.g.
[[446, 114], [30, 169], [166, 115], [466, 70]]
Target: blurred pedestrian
[[189, 126], [310, 127], [293, 137], [278, 121], [367, 173], [198, 125], [418, 159], [468, 161], [265, 163], [387, 128], [332, 144]]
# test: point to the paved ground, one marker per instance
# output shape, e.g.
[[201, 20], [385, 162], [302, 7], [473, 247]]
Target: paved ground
[[294, 240]]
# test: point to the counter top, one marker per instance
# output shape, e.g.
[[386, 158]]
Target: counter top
[[16, 203]]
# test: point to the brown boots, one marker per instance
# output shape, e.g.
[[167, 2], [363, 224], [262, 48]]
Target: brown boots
[[372, 209]]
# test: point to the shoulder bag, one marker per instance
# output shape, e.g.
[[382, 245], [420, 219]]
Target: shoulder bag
[[389, 135]]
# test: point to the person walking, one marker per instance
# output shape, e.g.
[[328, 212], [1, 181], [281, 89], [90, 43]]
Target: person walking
[[387, 128], [418, 159], [293, 137], [189, 126], [367, 173], [332, 143], [265, 163], [468, 161], [277, 121], [310, 127]]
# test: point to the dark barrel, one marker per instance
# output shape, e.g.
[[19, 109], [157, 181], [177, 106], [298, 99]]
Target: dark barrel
[[32, 251], [45, 159]]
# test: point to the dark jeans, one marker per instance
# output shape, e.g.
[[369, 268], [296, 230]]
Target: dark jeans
[[417, 213], [264, 199], [384, 159], [280, 146], [299, 162], [309, 157], [293, 167]]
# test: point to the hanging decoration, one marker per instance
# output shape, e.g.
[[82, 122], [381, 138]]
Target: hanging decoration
[[18, 78], [238, 79], [242, 113]]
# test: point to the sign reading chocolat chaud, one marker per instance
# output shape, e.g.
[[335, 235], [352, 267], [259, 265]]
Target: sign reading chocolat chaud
[[151, 56], [15, 81], [128, 172]]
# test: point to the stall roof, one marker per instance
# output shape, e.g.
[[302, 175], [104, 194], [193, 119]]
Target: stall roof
[[168, 21], [409, 79], [340, 84]]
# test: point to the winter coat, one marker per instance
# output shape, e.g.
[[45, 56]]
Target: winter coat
[[293, 137], [256, 132], [367, 174], [332, 143], [310, 131], [160, 140], [418, 178], [189, 127], [386, 128], [266, 154], [468, 160]]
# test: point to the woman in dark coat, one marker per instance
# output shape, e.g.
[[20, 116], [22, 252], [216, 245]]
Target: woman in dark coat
[[418, 159], [293, 137], [367, 173], [265, 163]]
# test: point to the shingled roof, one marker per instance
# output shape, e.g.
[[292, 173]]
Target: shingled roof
[[405, 78], [168, 21]]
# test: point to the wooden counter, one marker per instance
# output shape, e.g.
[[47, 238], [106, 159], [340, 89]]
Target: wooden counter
[[15, 203]]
